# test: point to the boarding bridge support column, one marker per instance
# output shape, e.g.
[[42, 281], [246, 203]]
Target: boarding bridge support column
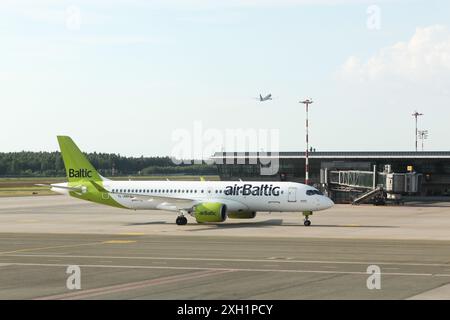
[[374, 177]]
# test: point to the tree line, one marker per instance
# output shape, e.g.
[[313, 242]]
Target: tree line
[[50, 164]]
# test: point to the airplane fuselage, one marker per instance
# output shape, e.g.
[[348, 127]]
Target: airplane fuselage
[[237, 196]]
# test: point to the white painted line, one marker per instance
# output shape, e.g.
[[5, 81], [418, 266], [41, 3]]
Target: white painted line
[[365, 263], [228, 269]]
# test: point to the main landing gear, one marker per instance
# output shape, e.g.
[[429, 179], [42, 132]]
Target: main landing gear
[[181, 220], [307, 222]]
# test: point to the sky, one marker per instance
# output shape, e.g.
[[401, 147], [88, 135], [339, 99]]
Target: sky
[[142, 77]]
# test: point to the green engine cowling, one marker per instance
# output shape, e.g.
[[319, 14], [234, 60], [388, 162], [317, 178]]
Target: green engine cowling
[[210, 212], [242, 215]]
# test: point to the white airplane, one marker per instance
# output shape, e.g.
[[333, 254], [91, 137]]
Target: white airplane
[[206, 201], [265, 98]]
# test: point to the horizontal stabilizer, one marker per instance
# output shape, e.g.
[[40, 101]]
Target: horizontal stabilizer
[[75, 189]]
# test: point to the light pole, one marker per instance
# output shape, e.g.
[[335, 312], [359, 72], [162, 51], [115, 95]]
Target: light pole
[[423, 134], [307, 102], [416, 115]]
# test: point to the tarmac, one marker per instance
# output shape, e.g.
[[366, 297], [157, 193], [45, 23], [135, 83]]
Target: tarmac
[[144, 255]]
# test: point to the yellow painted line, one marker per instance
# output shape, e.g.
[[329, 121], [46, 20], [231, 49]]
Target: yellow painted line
[[52, 247], [132, 234], [119, 241]]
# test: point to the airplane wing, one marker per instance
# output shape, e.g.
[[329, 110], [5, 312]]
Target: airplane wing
[[162, 202]]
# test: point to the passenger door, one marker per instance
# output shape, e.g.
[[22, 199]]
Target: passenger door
[[292, 194]]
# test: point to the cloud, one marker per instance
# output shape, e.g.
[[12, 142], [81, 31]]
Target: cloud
[[423, 57]]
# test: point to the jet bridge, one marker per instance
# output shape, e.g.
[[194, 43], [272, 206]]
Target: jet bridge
[[356, 186]]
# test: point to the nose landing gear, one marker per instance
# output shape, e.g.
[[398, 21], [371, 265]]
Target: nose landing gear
[[307, 222]]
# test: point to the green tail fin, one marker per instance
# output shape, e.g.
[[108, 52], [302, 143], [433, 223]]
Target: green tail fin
[[77, 166]]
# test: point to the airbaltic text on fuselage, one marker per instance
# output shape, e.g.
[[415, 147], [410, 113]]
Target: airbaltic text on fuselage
[[248, 189], [81, 173]]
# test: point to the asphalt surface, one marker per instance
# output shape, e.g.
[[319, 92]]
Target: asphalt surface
[[146, 256]]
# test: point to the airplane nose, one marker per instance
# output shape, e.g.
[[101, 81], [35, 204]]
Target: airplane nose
[[327, 203], [330, 203]]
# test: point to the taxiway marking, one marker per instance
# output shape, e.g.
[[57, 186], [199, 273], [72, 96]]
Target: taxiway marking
[[365, 263], [52, 247], [228, 269], [83, 294]]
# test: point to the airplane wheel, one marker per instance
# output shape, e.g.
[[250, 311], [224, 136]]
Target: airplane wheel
[[307, 223], [181, 221]]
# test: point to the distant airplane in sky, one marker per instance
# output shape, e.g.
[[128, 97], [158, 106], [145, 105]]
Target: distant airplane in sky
[[265, 98]]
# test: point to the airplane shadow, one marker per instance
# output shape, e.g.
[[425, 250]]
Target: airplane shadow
[[279, 222], [258, 224], [147, 223]]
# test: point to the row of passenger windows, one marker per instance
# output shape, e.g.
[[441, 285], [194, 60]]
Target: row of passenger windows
[[159, 191], [148, 191]]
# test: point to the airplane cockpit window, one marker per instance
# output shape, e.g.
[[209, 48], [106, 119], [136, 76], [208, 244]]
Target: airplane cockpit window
[[313, 192]]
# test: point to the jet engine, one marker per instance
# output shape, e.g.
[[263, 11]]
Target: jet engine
[[210, 212]]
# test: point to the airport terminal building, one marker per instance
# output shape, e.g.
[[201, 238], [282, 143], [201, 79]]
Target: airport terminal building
[[346, 172]]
